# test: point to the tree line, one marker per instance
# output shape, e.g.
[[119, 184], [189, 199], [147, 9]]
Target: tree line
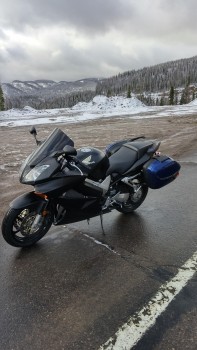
[[168, 83], [48, 102], [159, 78], [172, 97]]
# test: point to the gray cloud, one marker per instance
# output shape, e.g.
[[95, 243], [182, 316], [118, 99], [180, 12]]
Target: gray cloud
[[63, 39], [154, 16], [90, 16]]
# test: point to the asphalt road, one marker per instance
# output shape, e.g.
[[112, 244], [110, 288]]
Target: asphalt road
[[76, 287]]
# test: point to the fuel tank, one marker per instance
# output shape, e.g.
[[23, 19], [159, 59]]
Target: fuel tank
[[94, 161]]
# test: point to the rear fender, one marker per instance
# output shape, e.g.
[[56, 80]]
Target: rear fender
[[27, 200]]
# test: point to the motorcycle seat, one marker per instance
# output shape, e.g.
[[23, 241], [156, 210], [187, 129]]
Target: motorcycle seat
[[127, 155], [115, 146]]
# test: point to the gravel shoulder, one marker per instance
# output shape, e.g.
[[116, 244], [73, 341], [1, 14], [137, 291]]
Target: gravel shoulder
[[178, 136]]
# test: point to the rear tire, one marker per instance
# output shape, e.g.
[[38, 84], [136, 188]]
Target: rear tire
[[16, 227], [134, 201]]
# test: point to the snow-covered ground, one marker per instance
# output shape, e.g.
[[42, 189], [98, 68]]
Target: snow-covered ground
[[99, 107]]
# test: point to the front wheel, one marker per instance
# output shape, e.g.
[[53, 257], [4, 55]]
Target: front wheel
[[19, 230], [136, 198]]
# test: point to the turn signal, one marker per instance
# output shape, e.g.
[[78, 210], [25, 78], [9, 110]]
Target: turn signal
[[42, 195]]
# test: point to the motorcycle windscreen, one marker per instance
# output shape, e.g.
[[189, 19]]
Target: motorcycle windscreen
[[56, 141]]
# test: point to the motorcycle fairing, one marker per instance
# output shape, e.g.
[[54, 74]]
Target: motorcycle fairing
[[57, 186], [72, 206], [56, 141], [27, 200]]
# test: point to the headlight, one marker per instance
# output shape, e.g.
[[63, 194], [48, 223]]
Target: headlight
[[35, 173]]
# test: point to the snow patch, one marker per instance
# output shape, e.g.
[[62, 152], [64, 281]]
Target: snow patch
[[99, 107], [29, 109], [193, 103]]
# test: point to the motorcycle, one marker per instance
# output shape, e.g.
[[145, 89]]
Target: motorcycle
[[72, 185]]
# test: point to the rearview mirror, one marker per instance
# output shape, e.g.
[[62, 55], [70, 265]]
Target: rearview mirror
[[69, 150], [33, 131]]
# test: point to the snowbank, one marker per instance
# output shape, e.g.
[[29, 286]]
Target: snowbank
[[99, 107], [103, 103], [193, 103]]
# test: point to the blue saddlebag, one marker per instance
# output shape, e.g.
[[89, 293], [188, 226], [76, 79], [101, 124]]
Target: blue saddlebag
[[160, 171]]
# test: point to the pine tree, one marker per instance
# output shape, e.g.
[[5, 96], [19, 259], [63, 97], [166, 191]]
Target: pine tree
[[2, 101], [171, 96], [108, 93], [183, 98], [162, 101], [175, 97], [129, 92]]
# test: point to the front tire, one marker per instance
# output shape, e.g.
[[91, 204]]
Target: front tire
[[16, 227], [135, 200]]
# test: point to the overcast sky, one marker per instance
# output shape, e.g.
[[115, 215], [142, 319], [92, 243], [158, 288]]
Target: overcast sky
[[75, 39]]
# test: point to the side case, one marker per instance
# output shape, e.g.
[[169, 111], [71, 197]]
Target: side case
[[160, 171]]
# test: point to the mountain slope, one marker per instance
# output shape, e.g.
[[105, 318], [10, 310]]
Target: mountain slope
[[46, 87], [48, 93], [151, 84], [152, 79]]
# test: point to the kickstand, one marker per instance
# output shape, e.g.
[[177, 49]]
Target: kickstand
[[101, 217]]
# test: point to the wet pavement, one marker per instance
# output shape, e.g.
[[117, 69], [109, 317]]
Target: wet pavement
[[76, 287]]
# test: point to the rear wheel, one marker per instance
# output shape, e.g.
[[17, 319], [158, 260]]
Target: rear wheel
[[19, 229], [136, 197]]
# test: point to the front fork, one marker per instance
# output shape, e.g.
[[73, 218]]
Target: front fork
[[41, 214]]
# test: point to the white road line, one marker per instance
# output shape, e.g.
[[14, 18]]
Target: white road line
[[132, 331]]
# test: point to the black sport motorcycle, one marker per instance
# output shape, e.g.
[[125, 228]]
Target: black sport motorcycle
[[72, 185]]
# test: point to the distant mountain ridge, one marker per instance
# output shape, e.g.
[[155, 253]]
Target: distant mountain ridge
[[18, 87], [48, 93], [144, 82]]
